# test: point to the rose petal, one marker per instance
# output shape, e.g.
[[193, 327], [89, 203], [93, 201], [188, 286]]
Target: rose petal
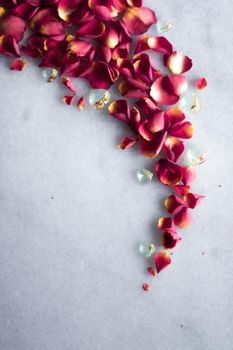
[[166, 224], [152, 148], [68, 99], [160, 45], [169, 173], [12, 26], [66, 7], [189, 174], [120, 109], [138, 20], [82, 103], [177, 63], [170, 240], [173, 148], [128, 142], [181, 189], [102, 76], [184, 130], [166, 90], [183, 218], [201, 83], [192, 199], [18, 65], [162, 260], [174, 204], [68, 83], [9, 46]]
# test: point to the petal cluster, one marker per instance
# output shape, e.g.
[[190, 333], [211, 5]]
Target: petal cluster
[[95, 40]]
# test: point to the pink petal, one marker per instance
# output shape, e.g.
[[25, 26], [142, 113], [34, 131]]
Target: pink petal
[[177, 63], [183, 218], [138, 20], [189, 174], [162, 260], [68, 99], [128, 142], [68, 83], [201, 83], [173, 148], [82, 103], [192, 199]]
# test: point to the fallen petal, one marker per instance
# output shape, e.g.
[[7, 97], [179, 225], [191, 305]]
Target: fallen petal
[[162, 260], [18, 65]]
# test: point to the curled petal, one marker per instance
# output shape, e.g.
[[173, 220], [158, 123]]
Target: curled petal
[[166, 224], [201, 83], [162, 260], [69, 63], [152, 125], [138, 20], [189, 174], [174, 116], [170, 240], [192, 199], [177, 63], [133, 88], [160, 45], [18, 65], [173, 148], [68, 83], [9, 46], [156, 43], [82, 103], [174, 204], [169, 173], [102, 76], [152, 148], [12, 26], [68, 99], [183, 218], [110, 38], [128, 142], [120, 109]]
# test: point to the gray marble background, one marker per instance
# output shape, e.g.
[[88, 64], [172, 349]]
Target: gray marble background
[[72, 213]]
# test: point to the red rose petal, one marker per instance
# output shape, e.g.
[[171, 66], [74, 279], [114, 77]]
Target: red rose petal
[[162, 260]]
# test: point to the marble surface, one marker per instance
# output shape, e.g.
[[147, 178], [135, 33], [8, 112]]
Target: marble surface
[[72, 213]]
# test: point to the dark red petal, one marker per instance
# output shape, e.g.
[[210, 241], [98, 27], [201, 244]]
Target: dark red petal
[[192, 199], [170, 240], [166, 224], [18, 65], [169, 173], [152, 148]]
